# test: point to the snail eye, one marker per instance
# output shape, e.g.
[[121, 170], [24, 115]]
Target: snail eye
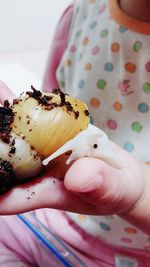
[[95, 146]]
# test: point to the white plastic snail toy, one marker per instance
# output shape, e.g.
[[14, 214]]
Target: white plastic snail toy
[[39, 127]]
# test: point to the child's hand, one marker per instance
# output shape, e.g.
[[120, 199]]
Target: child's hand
[[89, 186]]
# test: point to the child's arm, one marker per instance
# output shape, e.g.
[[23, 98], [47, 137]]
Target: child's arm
[[57, 49]]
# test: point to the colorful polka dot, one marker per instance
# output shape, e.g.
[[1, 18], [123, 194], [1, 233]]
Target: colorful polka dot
[[82, 218], [137, 127], [122, 29], [68, 62], [81, 84], [130, 230], [88, 66], [143, 107], [104, 33], [62, 84], [117, 106], [146, 87], [93, 24], [147, 66], [137, 46], [85, 41], [104, 226], [92, 1], [112, 124], [109, 66], [115, 47], [78, 33], [73, 48], [129, 147], [95, 102], [130, 67], [102, 8], [126, 240], [95, 50], [101, 84]]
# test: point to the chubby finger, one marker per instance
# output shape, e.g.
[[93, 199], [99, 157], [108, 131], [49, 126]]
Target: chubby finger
[[5, 93], [110, 190]]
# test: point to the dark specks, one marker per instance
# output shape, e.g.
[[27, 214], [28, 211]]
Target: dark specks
[[6, 104], [95, 146], [48, 103], [6, 176], [42, 99], [76, 113], [6, 118], [12, 150], [86, 112], [30, 195]]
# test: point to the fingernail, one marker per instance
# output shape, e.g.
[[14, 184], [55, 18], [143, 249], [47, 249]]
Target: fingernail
[[90, 185]]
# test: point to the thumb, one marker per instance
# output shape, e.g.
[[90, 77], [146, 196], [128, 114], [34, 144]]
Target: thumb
[[110, 190]]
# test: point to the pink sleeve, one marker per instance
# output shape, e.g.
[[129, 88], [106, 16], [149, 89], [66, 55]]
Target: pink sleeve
[[57, 49]]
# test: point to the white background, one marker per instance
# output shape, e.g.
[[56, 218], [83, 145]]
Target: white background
[[26, 30], [28, 24]]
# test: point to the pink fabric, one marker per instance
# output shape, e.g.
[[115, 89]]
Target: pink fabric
[[101, 253], [21, 249], [57, 49]]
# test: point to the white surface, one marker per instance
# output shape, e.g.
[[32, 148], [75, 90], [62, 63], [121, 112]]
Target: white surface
[[28, 24], [33, 61], [19, 78], [26, 31]]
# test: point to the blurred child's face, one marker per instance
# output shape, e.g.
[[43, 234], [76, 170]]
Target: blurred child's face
[[139, 9]]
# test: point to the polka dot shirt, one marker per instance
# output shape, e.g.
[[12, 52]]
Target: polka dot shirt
[[107, 64]]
